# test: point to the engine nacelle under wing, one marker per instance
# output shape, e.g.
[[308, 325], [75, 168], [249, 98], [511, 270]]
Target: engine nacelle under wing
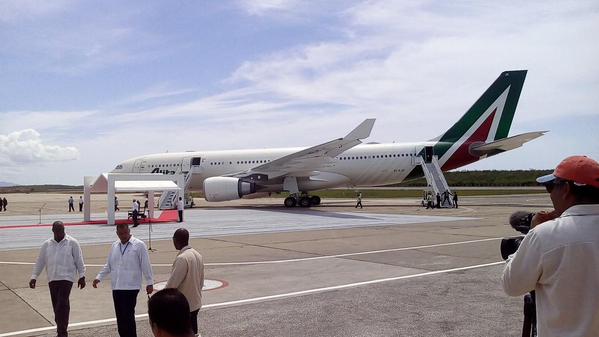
[[226, 188]]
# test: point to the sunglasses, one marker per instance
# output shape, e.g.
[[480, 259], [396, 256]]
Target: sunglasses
[[549, 187]]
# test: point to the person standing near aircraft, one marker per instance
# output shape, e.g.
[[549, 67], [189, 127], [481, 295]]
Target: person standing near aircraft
[[187, 274], [63, 259], [359, 200], [180, 208], [116, 204], [446, 201], [127, 261], [558, 258], [135, 213], [438, 200], [4, 203], [80, 204], [429, 200], [455, 199], [71, 203]]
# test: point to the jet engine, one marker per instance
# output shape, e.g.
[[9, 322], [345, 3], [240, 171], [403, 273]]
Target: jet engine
[[227, 188]]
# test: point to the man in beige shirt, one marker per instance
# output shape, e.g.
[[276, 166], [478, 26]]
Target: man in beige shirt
[[187, 274]]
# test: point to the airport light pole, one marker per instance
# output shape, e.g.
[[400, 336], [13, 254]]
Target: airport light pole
[[40, 210]]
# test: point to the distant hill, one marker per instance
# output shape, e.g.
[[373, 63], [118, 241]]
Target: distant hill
[[39, 188], [6, 184]]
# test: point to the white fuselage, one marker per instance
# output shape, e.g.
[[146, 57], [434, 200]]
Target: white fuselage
[[362, 165]]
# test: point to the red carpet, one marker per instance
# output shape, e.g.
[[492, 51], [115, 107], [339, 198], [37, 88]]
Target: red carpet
[[165, 216]]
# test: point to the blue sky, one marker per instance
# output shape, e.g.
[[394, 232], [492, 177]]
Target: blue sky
[[85, 85]]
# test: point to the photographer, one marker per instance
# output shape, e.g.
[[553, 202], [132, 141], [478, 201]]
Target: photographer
[[559, 259]]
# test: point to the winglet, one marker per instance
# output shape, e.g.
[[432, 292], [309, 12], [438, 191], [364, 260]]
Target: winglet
[[361, 131]]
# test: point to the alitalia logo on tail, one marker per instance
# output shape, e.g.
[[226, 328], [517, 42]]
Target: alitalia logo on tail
[[489, 119]]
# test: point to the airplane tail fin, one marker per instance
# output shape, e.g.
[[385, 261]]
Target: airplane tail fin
[[488, 120]]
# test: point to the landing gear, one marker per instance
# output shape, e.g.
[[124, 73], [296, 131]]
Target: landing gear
[[302, 201], [290, 202], [314, 200]]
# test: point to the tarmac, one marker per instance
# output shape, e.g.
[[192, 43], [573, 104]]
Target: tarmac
[[390, 269]]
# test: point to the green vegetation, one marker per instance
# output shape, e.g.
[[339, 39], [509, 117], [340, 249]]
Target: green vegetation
[[411, 193], [487, 178]]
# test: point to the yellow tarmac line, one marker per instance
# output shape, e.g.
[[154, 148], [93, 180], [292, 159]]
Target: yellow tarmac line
[[299, 259], [267, 298]]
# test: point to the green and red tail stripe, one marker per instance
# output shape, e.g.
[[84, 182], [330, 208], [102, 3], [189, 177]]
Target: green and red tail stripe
[[489, 119]]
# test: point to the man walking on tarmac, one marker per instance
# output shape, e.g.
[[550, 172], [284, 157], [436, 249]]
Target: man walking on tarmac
[[187, 275], [359, 203], [62, 258]]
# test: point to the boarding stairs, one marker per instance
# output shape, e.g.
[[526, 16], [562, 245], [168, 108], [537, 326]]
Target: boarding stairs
[[435, 178], [168, 199]]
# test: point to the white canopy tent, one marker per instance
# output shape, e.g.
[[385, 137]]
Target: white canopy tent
[[111, 183]]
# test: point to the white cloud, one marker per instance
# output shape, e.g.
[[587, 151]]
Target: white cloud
[[14, 10], [262, 7], [26, 146]]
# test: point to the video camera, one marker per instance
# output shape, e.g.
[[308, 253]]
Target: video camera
[[520, 221]]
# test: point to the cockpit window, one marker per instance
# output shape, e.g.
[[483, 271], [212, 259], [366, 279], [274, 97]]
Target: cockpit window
[[118, 167]]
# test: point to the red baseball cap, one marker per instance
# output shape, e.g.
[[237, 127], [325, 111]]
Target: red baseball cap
[[581, 170]]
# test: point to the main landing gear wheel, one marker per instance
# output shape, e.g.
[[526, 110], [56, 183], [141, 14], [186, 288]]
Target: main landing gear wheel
[[315, 200], [290, 202], [304, 202]]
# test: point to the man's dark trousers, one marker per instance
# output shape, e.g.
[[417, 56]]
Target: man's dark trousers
[[59, 293], [124, 308], [194, 321], [180, 216]]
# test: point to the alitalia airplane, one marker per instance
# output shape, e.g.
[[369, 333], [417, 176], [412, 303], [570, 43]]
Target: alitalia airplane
[[345, 162]]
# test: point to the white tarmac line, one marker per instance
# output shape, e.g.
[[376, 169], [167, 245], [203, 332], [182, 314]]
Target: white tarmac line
[[268, 298], [299, 259]]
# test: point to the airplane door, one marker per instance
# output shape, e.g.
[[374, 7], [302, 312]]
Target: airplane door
[[139, 166], [428, 154], [186, 164], [195, 164], [191, 164]]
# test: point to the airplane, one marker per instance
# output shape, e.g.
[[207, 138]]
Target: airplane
[[345, 162]]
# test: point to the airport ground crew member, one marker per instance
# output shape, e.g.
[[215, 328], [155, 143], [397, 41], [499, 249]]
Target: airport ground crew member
[[63, 260], [187, 274], [558, 258], [80, 204], [167, 310], [127, 261], [455, 199], [180, 208], [359, 201], [71, 204]]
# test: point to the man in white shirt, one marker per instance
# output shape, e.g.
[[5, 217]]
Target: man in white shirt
[[187, 274], [127, 261], [559, 257], [135, 213], [62, 258], [180, 207]]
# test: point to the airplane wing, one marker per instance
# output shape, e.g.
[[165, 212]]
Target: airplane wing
[[505, 144], [304, 162]]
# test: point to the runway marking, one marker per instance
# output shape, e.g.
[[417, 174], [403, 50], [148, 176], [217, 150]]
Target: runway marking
[[269, 298], [298, 259]]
